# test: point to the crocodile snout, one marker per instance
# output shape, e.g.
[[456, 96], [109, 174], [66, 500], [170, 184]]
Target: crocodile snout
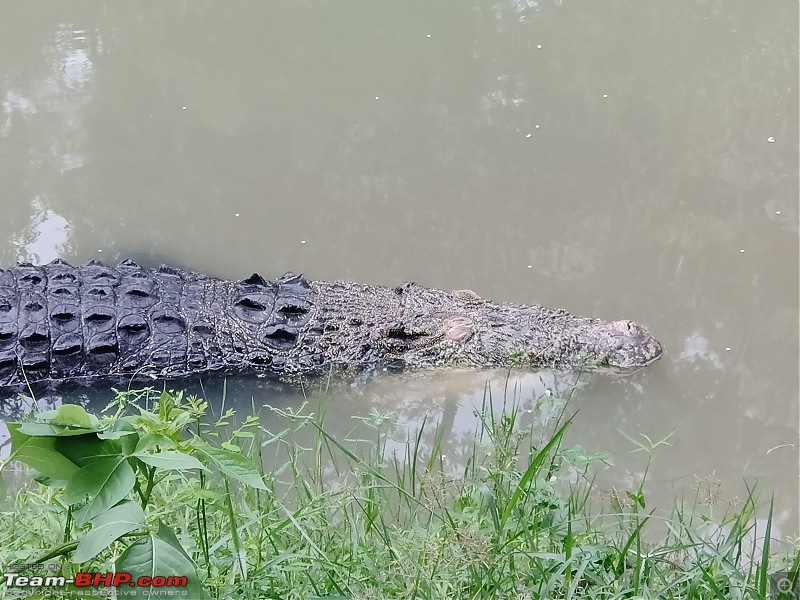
[[633, 346]]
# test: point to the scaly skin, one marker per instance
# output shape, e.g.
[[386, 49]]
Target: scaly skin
[[62, 323]]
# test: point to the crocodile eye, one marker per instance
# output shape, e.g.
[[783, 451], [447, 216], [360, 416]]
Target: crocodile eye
[[401, 338], [403, 334]]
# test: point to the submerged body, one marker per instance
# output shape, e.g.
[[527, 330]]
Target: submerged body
[[64, 323]]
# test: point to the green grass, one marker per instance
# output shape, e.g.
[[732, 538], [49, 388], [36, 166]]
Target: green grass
[[249, 513]]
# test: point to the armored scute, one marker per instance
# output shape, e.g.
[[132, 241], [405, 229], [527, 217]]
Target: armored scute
[[62, 323]]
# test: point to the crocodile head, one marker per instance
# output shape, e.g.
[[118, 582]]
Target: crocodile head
[[469, 331], [624, 345]]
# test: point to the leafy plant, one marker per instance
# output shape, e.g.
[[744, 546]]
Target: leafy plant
[[108, 470], [161, 487]]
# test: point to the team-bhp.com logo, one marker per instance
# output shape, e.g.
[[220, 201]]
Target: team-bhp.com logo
[[94, 584]]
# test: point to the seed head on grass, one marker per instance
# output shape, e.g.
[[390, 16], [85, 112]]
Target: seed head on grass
[[368, 593], [437, 487], [709, 489], [620, 498], [474, 548], [433, 548]]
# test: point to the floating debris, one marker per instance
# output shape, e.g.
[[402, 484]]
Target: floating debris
[[236, 215], [771, 140], [527, 135]]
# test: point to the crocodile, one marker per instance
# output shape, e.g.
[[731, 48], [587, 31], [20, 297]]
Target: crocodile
[[60, 323]]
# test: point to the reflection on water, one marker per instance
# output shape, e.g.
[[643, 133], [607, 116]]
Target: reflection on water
[[14, 103], [696, 348], [45, 239]]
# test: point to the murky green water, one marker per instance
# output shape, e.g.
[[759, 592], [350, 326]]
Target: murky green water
[[617, 159]]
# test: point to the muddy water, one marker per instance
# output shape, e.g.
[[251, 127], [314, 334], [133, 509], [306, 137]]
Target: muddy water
[[617, 159]]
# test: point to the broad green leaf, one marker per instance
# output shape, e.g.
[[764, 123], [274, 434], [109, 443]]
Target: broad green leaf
[[50, 429], [17, 437], [3, 488], [170, 460], [74, 416], [108, 434], [85, 449], [131, 438], [101, 484], [154, 556], [46, 415], [45, 480], [40, 453], [230, 463], [123, 518], [165, 406], [166, 534], [153, 440]]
